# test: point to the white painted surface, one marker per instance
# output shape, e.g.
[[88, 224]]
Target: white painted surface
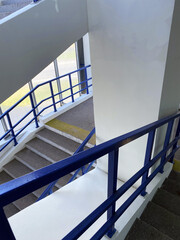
[[53, 217], [33, 39], [129, 44], [170, 99], [56, 215]]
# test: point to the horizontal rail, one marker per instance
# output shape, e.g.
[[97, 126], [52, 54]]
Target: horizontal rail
[[34, 105], [20, 187]]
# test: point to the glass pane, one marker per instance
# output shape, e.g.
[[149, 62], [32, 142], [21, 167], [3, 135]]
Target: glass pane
[[20, 110], [43, 92]]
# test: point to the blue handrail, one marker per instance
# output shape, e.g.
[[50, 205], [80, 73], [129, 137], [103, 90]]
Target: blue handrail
[[49, 189], [15, 189], [34, 107]]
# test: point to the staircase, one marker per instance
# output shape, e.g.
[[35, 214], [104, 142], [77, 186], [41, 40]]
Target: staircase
[[9, 6], [161, 218], [47, 147]]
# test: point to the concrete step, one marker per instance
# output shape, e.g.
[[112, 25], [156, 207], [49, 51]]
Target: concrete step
[[6, 2], [31, 159], [163, 220], [16, 169], [58, 140], [168, 201], [25, 201], [4, 177], [10, 210], [64, 180], [171, 186], [4, 14], [12, 7], [46, 150], [143, 231], [174, 176]]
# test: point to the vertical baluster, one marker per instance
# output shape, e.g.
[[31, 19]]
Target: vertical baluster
[[11, 128], [5, 229], [112, 184], [148, 154], [34, 110], [87, 87], [52, 94], [71, 88], [176, 135], [166, 143]]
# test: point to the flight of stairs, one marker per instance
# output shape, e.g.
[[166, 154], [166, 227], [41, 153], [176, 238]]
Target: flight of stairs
[[161, 218], [9, 6], [48, 146]]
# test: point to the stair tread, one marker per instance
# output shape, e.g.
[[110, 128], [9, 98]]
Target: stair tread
[[59, 139], [10, 210], [171, 186], [163, 220], [32, 159], [4, 177], [25, 201], [175, 176], [64, 180], [167, 200], [48, 150], [143, 231], [16, 168]]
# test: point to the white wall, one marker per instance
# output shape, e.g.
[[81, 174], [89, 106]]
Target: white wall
[[33, 39], [129, 43], [170, 99]]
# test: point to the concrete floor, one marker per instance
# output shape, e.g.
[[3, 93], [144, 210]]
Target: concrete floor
[[81, 116]]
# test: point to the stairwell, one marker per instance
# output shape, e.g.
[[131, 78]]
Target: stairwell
[[161, 218], [9, 6], [47, 147]]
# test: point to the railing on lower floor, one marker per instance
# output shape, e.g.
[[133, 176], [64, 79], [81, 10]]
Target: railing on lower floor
[[34, 106], [84, 169], [15, 189]]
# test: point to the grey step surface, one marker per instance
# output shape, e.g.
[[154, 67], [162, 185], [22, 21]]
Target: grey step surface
[[10, 210], [5, 2], [171, 186], [16, 169], [47, 150], [25, 201], [12, 7], [168, 201], [163, 220], [59, 140], [4, 177], [175, 176], [4, 14], [143, 231], [31, 159]]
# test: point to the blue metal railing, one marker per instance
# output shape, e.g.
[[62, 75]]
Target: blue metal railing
[[49, 189], [15, 189], [34, 107]]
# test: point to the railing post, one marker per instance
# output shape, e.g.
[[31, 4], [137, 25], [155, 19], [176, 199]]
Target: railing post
[[148, 154], [166, 143], [52, 94], [176, 135], [87, 87], [11, 128], [34, 110], [58, 81], [71, 88], [112, 184], [5, 229]]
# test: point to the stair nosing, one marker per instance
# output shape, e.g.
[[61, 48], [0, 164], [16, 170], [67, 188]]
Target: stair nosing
[[54, 144], [77, 140], [40, 154]]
